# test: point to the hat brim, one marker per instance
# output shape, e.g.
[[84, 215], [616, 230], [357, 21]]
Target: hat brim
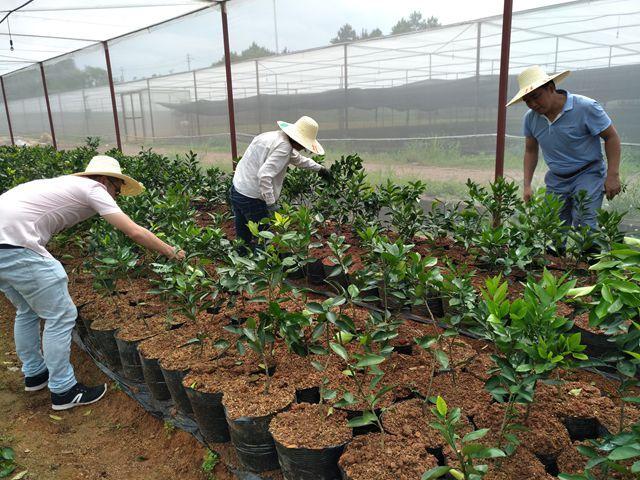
[[310, 144], [130, 188], [557, 78]]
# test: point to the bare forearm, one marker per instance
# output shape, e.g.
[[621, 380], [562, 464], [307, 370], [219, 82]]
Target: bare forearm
[[144, 237], [613, 150], [530, 164]]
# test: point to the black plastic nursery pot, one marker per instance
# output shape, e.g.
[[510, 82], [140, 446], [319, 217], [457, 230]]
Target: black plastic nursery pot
[[253, 442], [130, 360], [436, 306], [209, 413], [154, 379], [371, 428], [105, 343], [315, 272], [597, 344], [173, 379], [309, 464], [308, 395]]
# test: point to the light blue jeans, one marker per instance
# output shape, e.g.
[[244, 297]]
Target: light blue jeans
[[37, 288], [590, 180]]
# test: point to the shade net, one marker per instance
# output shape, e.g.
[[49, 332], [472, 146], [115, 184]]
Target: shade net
[[419, 105]]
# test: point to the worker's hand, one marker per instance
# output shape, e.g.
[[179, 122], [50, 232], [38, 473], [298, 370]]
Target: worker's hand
[[612, 186], [272, 208], [325, 173], [527, 193], [178, 255]]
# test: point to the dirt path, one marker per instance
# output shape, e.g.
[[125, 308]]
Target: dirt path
[[112, 439]]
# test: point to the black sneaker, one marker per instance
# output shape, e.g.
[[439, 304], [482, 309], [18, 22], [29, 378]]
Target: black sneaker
[[37, 382], [77, 395]]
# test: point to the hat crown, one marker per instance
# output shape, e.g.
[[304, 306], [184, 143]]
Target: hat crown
[[104, 164], [531, 76], [307, 126]]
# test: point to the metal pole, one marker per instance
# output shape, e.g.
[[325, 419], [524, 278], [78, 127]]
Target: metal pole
[[275, 26], [112, 90], [46, 98], [124, 117], [6, 109], [153, 133], [195, 96], [227, 67], [478, 48], [502, 88], [555, 60], [258, 98], [85, 113], [346, 95]]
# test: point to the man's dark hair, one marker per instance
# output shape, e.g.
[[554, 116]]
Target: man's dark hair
[[550, 82]]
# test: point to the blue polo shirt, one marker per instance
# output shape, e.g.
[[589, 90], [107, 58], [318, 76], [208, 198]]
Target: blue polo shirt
[[571, 140]]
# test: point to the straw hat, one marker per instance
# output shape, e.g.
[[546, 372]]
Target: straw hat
[[304, 131], [532, 78], [109, 167]]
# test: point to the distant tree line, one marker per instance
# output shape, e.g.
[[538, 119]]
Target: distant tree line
[[346, 33], [415, 23], [62, 76]]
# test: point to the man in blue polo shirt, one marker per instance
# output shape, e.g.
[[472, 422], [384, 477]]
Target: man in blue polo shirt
[[568, 128]]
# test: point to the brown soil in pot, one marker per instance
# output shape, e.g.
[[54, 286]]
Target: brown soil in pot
[[408, 373], [312, 426], [412, 418], [522, 465], [400, 459], [188, 355], [246, 397], [544, 434], [344, 383], [157, 346], [141, 328], [467, 393], [479, 367], [215, 375]]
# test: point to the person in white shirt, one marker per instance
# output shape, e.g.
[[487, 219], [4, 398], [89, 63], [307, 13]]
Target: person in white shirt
[[36, 283], [258, 178]]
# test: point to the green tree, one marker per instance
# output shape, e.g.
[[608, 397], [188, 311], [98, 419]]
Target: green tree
[[345, 34], [375, 33], [415, 23]]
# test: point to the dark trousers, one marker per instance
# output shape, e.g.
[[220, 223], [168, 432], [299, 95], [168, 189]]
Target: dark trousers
[[245, 210]]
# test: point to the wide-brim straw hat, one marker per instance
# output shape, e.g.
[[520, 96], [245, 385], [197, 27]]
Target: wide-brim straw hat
[[110, 167], [305, 132], [534, 77]]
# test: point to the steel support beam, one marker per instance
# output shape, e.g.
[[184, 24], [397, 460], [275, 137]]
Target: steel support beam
[[112, 90], [227, 67], [502, 88], [6, 109], [46, 98]]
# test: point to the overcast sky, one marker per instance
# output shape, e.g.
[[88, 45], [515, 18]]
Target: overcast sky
[[195, 42]]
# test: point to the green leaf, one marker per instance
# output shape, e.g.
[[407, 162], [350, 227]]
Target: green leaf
[[340, 350], [441, 406], [370, 359], [623, 453], [367, 418], [442, 358], [436, 472], [475, 435], [580, 291]]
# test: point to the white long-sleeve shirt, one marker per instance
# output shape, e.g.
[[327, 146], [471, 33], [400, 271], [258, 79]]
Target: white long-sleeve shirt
[[261, 170]]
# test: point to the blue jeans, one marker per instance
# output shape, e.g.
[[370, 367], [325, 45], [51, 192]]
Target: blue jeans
[[245, 210], [590, 180], [37, 288]]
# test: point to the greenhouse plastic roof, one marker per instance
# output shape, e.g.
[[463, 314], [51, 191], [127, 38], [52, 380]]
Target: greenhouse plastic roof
[[44, 29]]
